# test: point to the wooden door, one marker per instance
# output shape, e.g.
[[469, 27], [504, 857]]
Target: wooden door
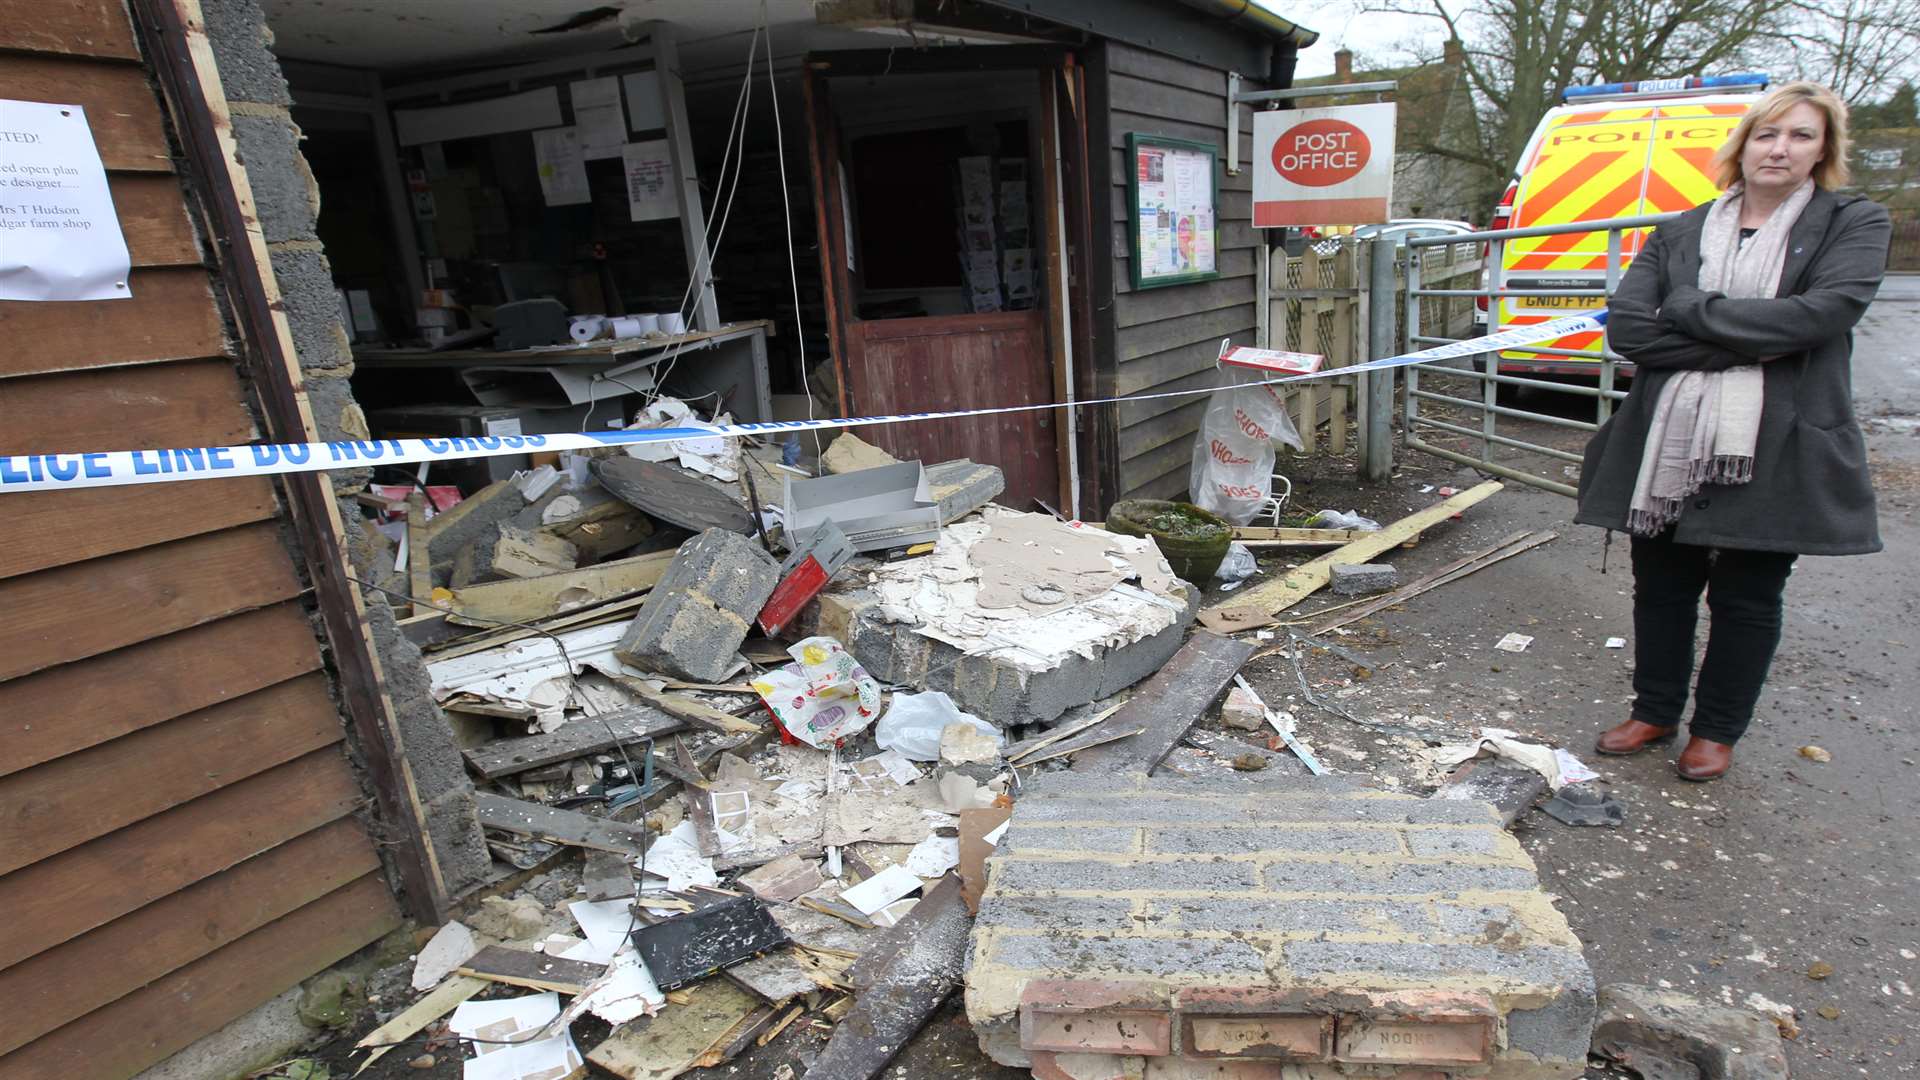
[[936, 363]]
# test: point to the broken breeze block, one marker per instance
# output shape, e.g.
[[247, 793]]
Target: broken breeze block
[[996, 687], [1229, 926], [694, 620], [1362, 579]]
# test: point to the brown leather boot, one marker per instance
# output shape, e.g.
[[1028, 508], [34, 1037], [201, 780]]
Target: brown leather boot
[[1632, 737], [1704, 759]]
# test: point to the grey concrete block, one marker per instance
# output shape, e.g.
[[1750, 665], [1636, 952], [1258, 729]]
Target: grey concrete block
[[1363, 579], [1241, 915], [284, 191], [478, 517], [1129, 956], [439, 773], [1542, 968], [313, 310], [1086, 913], [961, 487], [1512, 789], [1441, 843], [1274, 809], [1050, 875], [1562, 1029], [1439, 879], [1122, 809], [1247, 841], [241, 40], [1485, 921], [1645, 1028], [695, 619], [1023, 838]]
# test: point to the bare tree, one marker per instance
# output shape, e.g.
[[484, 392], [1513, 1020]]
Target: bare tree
[[1860, 48]]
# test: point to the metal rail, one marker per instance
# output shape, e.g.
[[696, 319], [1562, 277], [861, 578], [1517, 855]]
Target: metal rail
[[1485, 366]]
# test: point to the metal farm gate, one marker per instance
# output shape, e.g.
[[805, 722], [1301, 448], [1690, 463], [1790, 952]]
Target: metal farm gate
[[1433, 407]]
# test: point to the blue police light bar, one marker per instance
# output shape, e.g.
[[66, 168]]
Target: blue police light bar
[[1666, 86]]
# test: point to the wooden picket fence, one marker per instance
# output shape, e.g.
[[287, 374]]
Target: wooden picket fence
[[1317, 307]]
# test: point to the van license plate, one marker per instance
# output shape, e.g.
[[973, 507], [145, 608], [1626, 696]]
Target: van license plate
[[1555, 303]]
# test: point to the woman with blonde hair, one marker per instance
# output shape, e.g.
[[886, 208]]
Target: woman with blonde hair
[[1736, 450]]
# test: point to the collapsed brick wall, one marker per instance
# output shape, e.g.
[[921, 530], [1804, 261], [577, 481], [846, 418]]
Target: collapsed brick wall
[[288, 201]]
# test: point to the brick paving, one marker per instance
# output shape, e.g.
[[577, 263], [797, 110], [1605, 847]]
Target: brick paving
[[1279, 928]]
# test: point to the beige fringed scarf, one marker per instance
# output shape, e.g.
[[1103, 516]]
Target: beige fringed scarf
[[1706, 423]]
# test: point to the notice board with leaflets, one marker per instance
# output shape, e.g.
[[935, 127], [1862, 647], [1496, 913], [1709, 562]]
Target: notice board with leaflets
[[1173, 196]]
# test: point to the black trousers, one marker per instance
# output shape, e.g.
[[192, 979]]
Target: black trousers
[[1744, 591]]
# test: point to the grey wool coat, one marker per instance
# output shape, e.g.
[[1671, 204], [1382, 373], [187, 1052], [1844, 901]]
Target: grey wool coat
[[1811, 493]]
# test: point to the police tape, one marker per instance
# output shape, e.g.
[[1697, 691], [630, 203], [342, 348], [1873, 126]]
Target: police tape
[[113, 468]]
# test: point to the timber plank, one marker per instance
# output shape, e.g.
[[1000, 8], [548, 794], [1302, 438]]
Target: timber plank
[[532, 599], [71, 980], [43, 529], [69, 708], [903, 991], [1152, 305], [153, 218], [560, 826], [1129, 93], [73, 799], [1167, 704], [1153, 371], [170, 316], [72, 612], [122, 109], [58, 898], [195, 403], [125, 1037], [1123, 59], [72, 27], [665, 1045], [586, 735], [1260, 605], [535, 971]]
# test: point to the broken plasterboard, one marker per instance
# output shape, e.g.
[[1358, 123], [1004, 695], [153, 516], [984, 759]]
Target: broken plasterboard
[[504, 1047], [528, 677], [940, 594]]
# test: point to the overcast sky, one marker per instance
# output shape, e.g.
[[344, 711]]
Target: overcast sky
[[1381, 38]]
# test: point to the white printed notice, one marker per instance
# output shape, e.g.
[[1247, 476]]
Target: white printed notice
[[649, 168], [563, 170], [59, 236]]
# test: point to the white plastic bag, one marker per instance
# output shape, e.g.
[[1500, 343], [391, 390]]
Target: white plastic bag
[[914, 723], [1233, 453], [1239, 565], [1334, 519]]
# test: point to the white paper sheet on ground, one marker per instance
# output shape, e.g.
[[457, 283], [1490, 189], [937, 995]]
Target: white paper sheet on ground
[[934, 856], [606, 923], [450, 947], [1541, 759], [881, 889], [894, 912], [626, 992], [507, 1020], [676, 858], [800, 790], [558, 944], [999, 831]]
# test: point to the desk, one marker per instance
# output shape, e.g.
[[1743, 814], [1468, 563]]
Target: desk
[[730, 361]]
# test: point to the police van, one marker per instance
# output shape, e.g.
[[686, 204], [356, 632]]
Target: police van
[[1612, 150]]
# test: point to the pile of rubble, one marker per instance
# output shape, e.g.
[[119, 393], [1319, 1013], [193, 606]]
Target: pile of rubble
[[764, 749]]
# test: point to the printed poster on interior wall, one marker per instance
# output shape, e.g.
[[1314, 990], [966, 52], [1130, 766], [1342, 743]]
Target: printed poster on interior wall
[[562, 165], [649, 170], [59, 236], [1331, 166], [1173, 189]]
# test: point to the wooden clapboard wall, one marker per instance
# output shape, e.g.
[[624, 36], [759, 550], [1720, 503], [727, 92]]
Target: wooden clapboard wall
[[1165, 338], [178, 839]]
